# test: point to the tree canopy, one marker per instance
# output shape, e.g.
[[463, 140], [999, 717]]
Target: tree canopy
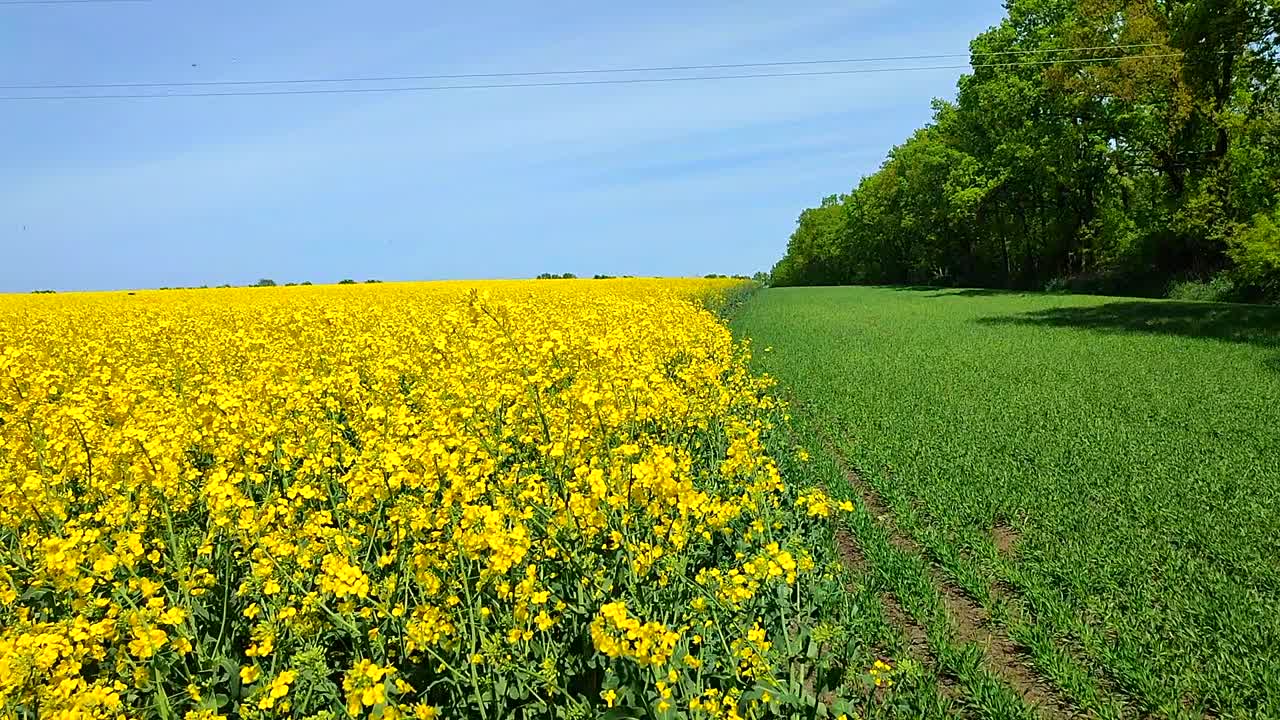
[[1056, 165]]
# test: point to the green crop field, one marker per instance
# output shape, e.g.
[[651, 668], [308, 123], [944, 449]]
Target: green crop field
[[1068, 504]]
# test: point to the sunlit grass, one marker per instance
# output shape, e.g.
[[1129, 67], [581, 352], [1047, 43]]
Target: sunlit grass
[[1102, 474]]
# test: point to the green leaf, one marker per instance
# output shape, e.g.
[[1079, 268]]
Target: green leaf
[[623, 713]]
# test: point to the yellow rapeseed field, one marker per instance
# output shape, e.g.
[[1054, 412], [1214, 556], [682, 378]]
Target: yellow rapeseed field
[[543, 498]]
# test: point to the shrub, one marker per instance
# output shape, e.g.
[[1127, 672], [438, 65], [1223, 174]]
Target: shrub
[[1220, 288], [1058, 285], [1116, 282], [1256, 253]]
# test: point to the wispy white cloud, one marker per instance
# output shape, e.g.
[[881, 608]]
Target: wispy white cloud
[[281, 181]]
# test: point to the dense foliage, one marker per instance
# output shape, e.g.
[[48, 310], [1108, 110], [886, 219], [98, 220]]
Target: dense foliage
[[389, 500], [1103, 475], [1077, 168]]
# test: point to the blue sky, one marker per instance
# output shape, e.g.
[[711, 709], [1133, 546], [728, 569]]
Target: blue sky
[[661, 179]]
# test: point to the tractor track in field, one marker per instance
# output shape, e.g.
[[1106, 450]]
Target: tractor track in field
[[913, 633], [971, 623], [1056, 462]]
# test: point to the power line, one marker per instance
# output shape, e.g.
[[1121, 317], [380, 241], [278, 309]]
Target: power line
[[567, 83], [67, 2], [588, 71]]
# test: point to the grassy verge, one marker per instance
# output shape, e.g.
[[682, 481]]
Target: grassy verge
[[1100, 476]]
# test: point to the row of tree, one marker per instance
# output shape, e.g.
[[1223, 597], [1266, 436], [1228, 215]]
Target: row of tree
[[262, 282], [1061, 166], [759, 277]]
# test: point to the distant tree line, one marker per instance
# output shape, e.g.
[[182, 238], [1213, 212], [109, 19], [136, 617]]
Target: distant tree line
[[759, 277], [1121, 175], [261, 282], [268, 282]]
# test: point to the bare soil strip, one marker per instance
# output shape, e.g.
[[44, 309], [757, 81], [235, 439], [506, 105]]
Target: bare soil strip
[[1006, 539], [912, 632], [972, 625]]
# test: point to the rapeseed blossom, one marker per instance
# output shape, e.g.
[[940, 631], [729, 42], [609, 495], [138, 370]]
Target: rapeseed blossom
[[404, 500]]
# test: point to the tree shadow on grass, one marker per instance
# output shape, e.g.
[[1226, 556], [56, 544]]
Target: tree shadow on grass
[[1251, 324], [1273, 362], [935, 291]]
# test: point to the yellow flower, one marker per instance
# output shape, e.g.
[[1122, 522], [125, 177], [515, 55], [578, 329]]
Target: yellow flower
[[609, 696], [173, 616], [374, 695], [882, 673], [276, 690], [146, 641], [280, 686], [364, 685], [341, 461]]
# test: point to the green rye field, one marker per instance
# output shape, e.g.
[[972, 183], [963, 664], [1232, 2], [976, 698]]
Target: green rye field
[[1068, 505]]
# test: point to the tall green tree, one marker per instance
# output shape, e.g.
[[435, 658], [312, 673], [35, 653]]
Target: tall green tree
[[1152, 157]]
